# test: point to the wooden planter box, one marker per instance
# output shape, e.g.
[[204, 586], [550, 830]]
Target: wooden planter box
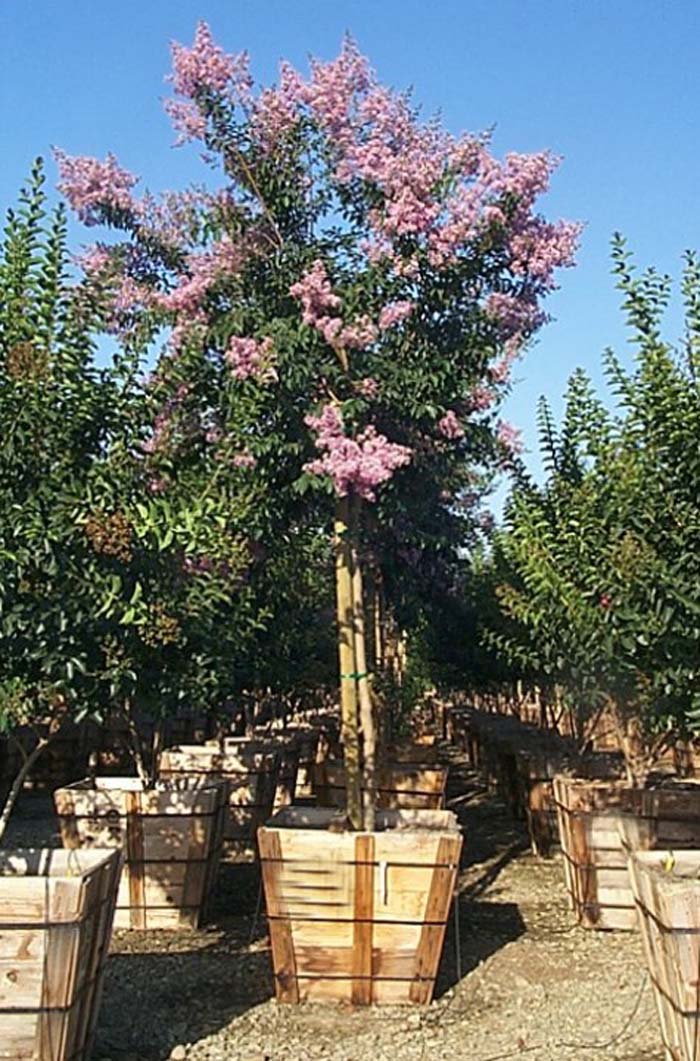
[[538, 764], [358, 917], [171, 836], [250, 769], [668, 905], [593, 817], [56, 923], [311, 750], [287, 747], [399, 786], [423, 752]]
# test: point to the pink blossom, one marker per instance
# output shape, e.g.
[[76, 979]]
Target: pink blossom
[[205, 269], [481, 398], [449, 426], [315, 293], [213, 435], [205, 67], [358, 335], [526, 177], [360, 464], [320, 308], [250, 357], [393, 313], [91, 186], [188, 121], [332, 91], [277, 110], [129, 295], [509, 437], [95, 259], [319, 304], [244, 459], [158, 485], [515, 314], [538, 247], [368, 387]]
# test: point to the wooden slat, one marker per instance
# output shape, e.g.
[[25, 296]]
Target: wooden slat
[[65, 951], [363, 913], [436, 911], [135, 860], [354, 906], [286, 987]]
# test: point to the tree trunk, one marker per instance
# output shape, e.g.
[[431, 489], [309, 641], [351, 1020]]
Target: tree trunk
[[157, 748], [18, 783], [136, 745], [346, 657], [369, 736]]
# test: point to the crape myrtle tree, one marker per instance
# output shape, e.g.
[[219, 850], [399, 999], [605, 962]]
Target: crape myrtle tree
[[596, 572], [54, 414], [356, 288], [113, 598]]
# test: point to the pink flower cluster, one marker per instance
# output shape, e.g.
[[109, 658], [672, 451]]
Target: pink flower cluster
[[91, 186], [376, 136], [481, 398], [204, 269], [319, 304], [249, 357], [321, 309], [442, 190], [449, 426], [358, 335], [95, 260], [356, 465], [206, 67], [276, 109], [188, 121], [244, 459], [333, 90], [368, 387], [539, 247], [393, 313], [514, 314], [509, 437]]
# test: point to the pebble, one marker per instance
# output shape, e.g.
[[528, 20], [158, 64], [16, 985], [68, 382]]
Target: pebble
[[178, 1053]]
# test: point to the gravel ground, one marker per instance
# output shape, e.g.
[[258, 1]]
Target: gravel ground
[[518, 979]]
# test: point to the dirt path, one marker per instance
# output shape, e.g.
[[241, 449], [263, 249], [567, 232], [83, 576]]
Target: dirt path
[[532, 985]]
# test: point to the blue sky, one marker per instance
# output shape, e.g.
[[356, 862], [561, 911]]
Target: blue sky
[[611, 85]]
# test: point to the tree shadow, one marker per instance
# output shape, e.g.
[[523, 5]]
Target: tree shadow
[[155, 999], [163, 989], [475, 932], [492, 840]]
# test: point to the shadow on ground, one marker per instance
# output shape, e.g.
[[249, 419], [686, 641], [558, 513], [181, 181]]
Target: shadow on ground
[[201, 979], [492, 840]]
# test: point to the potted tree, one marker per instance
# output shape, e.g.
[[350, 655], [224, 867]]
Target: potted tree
[[356, 291], [172, 571], [54, 407], [602, 593]]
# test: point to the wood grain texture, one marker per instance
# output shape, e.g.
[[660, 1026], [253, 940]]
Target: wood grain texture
[[53, 971], [249, 767], [363, 921], [668, 904], [171, 837], [286, 986], [593, 816], [359, 917]]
